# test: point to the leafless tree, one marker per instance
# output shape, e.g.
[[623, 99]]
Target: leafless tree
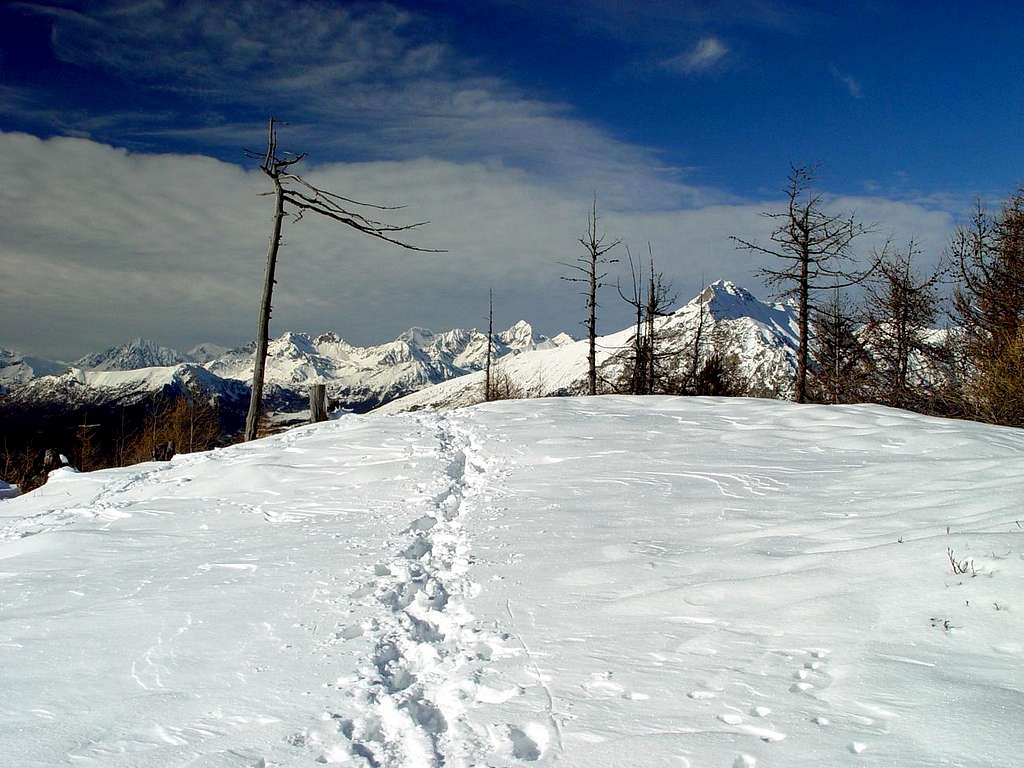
[[652, 350], [490, 344], [294, 196], [634, 368], [989, 311], [590, 266], [814, 248], [841, 366], [901, 307]]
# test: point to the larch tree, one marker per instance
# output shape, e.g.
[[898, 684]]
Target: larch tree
[[488, 391], [840, 365], [647, 369], [902, 305], [634, 366], [988, 256], [590, 265], [812, 247], [295, 197]]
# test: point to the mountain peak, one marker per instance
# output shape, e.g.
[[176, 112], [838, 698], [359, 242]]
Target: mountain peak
[[137, 353], [518, 335]]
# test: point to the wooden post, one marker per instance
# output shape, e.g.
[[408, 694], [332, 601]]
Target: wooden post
[[317, 403]]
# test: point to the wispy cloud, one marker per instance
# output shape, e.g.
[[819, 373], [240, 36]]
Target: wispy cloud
[[707, 53], [851, 83]]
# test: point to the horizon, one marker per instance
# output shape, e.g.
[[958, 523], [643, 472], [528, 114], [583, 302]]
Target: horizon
[[130, 201]]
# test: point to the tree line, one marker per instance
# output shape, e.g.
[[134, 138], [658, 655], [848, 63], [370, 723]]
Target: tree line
[[868, 330]]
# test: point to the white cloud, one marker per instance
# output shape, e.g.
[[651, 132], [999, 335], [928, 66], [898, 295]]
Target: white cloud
[[707, 54], [100, 245], [851, 83]]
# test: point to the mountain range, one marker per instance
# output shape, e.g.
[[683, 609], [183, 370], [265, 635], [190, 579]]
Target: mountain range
[[762, 337], [357, 377]]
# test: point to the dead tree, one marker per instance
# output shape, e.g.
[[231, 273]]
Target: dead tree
[[840, 365], [988, 308], [647, 371], [814, 247], [294, 196], [901, 307], [596, 248], [635, 299], [659, 349], [490, 343], [696, 344]]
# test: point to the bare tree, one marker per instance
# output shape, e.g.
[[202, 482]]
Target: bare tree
[[590, 264], [901, 307], [490, 344], [660, 351], [634, 368], [989, 311], [294, 196], [813, 246], [840, 369], [647, 367]]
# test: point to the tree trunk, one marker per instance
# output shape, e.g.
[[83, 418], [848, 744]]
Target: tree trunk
[[263, 332], [592, 328], [802, 321], [490, 335], [317, 403]]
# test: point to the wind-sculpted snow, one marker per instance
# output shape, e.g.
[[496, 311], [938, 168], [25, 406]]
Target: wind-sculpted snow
[[578, 581]]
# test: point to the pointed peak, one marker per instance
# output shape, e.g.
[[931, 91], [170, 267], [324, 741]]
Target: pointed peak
[[725, 289], [416, 336]]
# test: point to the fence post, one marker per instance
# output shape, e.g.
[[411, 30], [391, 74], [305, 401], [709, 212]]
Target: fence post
[[317, 403]]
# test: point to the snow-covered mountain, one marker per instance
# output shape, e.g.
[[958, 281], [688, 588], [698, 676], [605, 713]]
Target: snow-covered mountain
[[78, 388], [17, 369], [761, 336], [366, 376], [205, 352], [574, 582], [135, 354], [358, 377]]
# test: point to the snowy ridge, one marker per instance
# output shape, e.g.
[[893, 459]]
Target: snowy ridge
[[17, 369], [138, 353], [76, 387], [761, 336]]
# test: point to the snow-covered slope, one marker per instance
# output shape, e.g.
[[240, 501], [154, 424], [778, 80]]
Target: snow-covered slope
[[135, 354], [761, 336], [596, 582], [17, 369], [376, 374]]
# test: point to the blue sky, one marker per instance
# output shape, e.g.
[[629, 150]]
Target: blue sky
[[683, 116]]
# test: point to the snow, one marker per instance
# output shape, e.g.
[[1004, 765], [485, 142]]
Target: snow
[[17, 369], [576, 581], [8, 491]]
